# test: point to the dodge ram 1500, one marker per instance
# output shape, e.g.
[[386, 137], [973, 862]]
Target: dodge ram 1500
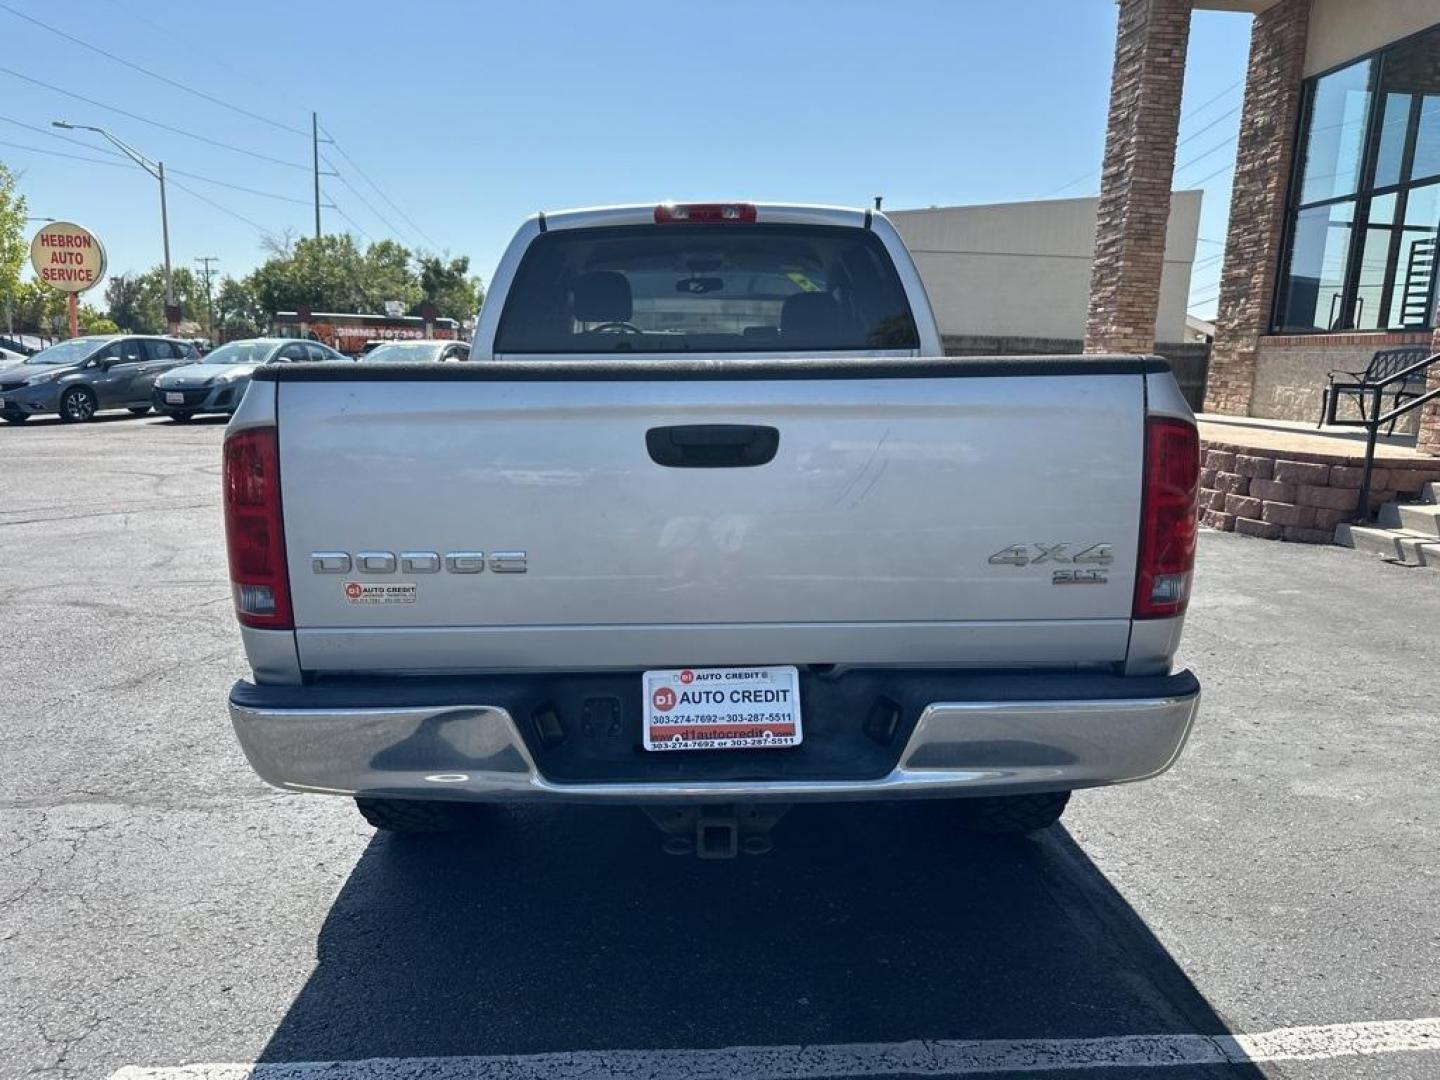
[[709, 524]]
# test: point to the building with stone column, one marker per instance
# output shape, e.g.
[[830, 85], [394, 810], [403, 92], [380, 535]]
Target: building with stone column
[[1331, 252]]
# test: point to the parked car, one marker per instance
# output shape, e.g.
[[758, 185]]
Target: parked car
[[84, 375], [416, 352], [708, 524], [217, 384]]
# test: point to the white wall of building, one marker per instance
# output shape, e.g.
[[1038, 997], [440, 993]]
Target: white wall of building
[[1023, 269], [1341, 30]]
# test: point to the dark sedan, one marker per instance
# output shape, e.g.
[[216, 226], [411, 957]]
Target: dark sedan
[[78, 378]]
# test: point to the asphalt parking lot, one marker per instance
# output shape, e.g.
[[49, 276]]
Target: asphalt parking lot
[[160, 907]]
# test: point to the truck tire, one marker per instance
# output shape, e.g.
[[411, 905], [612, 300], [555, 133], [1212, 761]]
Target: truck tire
[[413, 815], [1012, 815]]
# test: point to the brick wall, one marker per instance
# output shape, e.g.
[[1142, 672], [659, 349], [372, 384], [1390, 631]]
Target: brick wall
[[1282, 495], [1257, 206], [1151, 42], [1291, 371], [1429, 438]]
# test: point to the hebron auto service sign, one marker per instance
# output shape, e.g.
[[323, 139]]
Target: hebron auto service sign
[[67, 257]]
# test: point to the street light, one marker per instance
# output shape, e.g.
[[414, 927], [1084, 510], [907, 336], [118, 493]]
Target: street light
[[155, 169]]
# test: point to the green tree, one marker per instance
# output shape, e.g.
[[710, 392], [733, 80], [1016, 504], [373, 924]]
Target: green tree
[[12, 241], [386, 275], [448, 286], [38, 309], [122, 301], [238, 311], [93, 321]]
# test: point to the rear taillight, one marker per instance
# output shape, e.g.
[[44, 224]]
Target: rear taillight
[[254, 529], [1167, 522], [704, 213]]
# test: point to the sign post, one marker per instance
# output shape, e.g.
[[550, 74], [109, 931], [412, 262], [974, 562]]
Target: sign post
[[69, 258], [429, 313]]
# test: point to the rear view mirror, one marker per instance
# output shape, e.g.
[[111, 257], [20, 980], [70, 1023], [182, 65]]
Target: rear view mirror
[[698, 286]]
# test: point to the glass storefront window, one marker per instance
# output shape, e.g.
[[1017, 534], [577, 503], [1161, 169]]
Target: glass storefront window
[[1365, 216], [1340, 109]]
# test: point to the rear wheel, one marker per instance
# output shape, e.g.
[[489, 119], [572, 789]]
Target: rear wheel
[[1012, 815], [181, 417], [77, 405], [415, 815]]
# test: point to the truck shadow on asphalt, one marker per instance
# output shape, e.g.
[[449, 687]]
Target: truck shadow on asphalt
[[568, 929]]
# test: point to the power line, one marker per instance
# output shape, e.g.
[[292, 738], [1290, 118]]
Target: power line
[[173, 183], [238, 187], [155, 123], [379, 191], [352, 222], [1201, 157], [62, 153], [146, 71], [1205, 180], [1192, 113], [367, 203], [1218, 120], [123, 160], [223, 209], [52, 133], [1188, 115]]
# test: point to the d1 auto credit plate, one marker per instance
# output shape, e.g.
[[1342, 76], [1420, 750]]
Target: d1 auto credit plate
[[753, 708]]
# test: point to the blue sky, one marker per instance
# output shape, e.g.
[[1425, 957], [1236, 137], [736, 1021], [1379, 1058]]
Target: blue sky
[[454, 120]]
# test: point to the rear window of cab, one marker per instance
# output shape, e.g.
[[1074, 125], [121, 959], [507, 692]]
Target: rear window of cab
[[706, 288]]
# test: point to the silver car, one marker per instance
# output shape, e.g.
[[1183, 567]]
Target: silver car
[[77, 378], [416, 351], [217, 383]]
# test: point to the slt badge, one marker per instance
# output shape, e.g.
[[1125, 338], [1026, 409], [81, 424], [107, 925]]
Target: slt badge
[[1036, 554]]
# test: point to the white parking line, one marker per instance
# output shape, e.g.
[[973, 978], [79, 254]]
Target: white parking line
[[938, 1058]]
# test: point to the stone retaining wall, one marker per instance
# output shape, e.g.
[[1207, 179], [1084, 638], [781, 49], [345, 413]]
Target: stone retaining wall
[[1284, 495]]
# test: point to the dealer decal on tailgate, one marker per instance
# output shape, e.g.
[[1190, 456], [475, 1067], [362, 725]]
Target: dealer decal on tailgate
[[722, 708]]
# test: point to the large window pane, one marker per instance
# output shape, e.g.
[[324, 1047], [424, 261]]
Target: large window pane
[[1319, 258], [1410, 81], [1395, 127], [1336, 137], [1415, 265], [1427, 140]]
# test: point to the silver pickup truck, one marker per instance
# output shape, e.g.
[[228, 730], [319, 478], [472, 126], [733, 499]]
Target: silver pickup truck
[[708, 524]]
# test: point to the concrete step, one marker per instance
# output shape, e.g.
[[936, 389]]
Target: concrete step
[[1397, 545], [1423, 518]]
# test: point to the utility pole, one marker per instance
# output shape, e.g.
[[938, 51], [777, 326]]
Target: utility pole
[[315, 142], [315, 150], [205, 261]]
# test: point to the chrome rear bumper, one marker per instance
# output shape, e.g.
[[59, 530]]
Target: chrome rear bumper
[[476, 752]]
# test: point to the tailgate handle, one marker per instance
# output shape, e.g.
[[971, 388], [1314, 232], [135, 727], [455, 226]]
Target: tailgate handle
[[712, 446]]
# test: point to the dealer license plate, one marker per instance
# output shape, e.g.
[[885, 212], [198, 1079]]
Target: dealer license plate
[[174, 397], [722, 708]]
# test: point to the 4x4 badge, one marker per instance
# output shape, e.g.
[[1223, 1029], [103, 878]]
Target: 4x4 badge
[[1035, 554]]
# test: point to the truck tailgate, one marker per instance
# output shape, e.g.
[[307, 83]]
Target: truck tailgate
[[889, 527]]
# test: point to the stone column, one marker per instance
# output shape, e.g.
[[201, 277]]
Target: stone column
[[1428, 441], [1257, 206], [1150, 46]]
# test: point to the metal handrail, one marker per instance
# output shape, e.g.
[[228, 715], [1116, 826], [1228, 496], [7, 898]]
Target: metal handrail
[[1375, 422]]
